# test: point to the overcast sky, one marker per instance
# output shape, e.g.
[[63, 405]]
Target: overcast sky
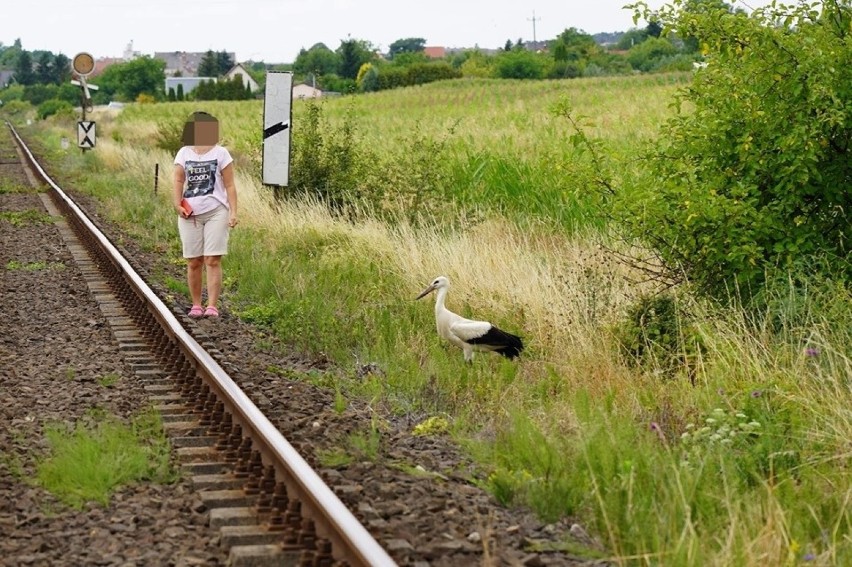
[[275, 30]]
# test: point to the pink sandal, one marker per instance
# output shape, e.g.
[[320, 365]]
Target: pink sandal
[[211, 311], [196, 312]]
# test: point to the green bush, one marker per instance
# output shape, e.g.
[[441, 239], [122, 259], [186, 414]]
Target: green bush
[[645, 56], [520, 65], [656, 334], [337, 84], [422, 73], [391, 77], [370, 81], [328, 162], [16, 108], [170, 135], [753, 172], [12, 92], [51, 107], [225, 89]]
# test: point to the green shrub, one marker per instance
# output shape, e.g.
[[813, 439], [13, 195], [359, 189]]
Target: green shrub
[[657, 335], [646, 55], [51, 107], [16, 108], [370, 81], [422, 73], [415, 74], [12, 92], [169, 135], [328, 162], [754, 170], [520, 65]]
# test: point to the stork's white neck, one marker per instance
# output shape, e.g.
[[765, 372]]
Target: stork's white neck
[[440, 296]]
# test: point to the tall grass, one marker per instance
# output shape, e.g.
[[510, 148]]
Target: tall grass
[[739, 457]]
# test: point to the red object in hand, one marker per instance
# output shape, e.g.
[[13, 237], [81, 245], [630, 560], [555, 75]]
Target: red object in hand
[[185, 207]]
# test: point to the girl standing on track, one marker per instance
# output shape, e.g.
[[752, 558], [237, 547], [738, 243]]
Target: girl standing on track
[[205, 198]]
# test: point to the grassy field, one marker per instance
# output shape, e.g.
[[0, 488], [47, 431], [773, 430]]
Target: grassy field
[[725, 442]]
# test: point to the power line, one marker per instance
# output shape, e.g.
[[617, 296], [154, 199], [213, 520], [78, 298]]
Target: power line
[[533, 20]]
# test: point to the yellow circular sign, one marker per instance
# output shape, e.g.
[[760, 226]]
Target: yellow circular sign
[[83, 63]]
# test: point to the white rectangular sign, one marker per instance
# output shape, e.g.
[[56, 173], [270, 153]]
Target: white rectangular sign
[[277, 104], [86, 134]]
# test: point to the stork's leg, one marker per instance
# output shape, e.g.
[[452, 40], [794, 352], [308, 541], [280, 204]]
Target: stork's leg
[[468, 353]]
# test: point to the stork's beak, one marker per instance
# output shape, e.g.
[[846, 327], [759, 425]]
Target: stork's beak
[[426, 292]]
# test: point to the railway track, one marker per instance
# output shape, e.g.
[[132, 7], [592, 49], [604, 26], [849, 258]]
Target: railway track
[[267, 504], [271, 506]]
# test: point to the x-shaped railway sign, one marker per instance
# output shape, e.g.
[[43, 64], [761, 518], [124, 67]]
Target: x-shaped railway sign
[[86, 134]]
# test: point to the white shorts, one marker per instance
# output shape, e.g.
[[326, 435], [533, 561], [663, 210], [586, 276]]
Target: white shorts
[[205, 234]]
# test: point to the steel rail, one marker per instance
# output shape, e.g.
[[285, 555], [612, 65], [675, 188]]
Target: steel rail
[[351, 542]]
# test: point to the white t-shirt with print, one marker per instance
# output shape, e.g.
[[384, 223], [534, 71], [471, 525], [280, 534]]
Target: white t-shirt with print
[[204, 188]]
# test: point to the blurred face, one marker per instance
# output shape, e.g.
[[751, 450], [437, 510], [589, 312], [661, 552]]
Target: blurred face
[[206, 133], [201, 133]]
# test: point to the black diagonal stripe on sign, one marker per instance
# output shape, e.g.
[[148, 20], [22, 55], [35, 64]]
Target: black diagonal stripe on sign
[[274, 129]]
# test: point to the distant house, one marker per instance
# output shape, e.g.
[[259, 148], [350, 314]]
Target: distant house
[[434, 52], [183, 62], [180, 62], [5, 77], [189, 83], [306, 91], [102, 63], [536, 46], [239, 71]]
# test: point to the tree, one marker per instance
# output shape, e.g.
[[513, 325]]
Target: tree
[[318, 60], [61, 69], [408, 58], [408, 45], [205, 90], [9, 55], [574, 45], [209, 66], [38, 93], [224, 63], [42, 66], [754, 173], [519, 65], [24, 74], [702, 8], [631, 38], [476, 64], [143, 75], [653, 29], [226, 89], [370, 81], [646, 55], [45, 69], [354, 53]]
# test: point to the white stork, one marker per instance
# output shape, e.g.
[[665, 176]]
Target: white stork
[[469, 335]]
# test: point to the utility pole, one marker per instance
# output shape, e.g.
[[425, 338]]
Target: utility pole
[[533, 20]]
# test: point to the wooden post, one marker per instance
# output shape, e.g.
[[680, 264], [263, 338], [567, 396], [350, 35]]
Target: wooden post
[[156, 176]]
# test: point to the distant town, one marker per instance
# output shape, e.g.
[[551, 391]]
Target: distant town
[[39, 76]]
